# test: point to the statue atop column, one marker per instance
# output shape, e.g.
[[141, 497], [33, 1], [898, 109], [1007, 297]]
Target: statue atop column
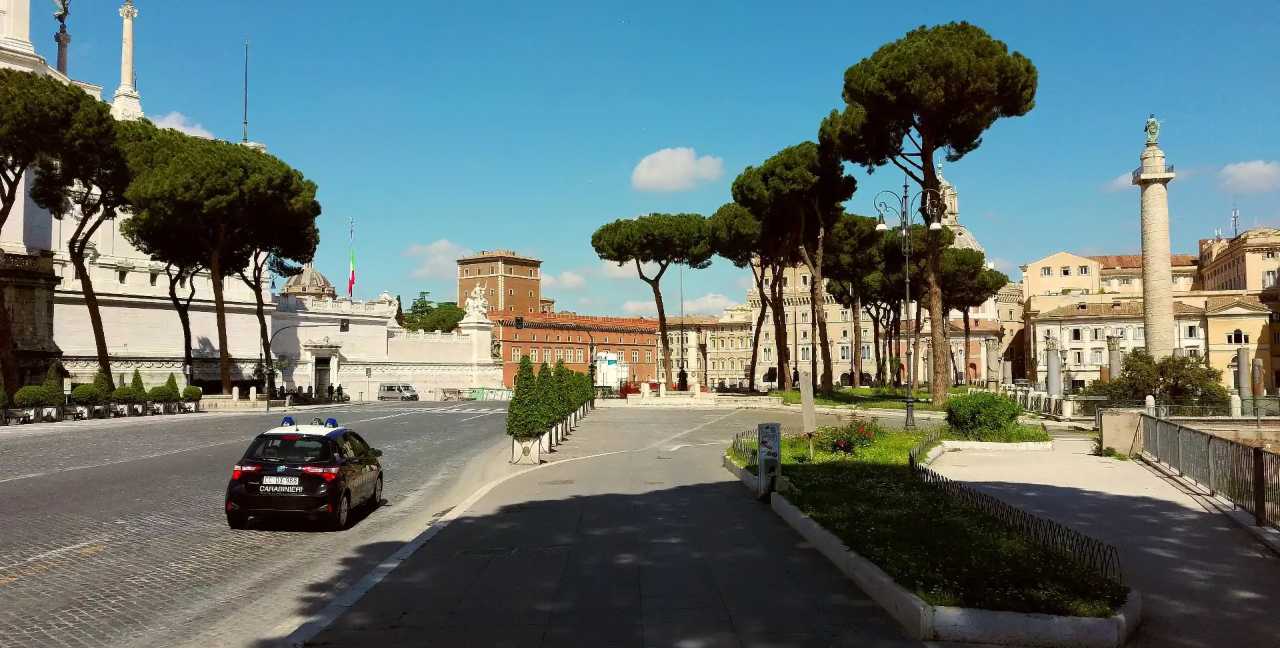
[[62, 37], [1152, 130], [477, 306]]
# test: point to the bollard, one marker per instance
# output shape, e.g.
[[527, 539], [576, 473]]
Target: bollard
[[1151, 405]]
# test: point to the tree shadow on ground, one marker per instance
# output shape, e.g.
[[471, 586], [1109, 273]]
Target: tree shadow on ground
[[700, 565], [1204, 581]]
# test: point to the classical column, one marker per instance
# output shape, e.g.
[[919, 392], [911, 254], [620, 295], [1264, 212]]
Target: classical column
[[15, 26], [1152, 177], [1115, 358], [127, 105], [1053, 364]]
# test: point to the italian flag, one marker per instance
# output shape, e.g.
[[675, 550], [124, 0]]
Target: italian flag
[[351, 278]]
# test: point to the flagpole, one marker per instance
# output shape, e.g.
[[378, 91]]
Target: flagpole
[[351, 247]]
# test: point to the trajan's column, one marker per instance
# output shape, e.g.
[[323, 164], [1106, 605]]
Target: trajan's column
[[127, 105], [1153, 177]]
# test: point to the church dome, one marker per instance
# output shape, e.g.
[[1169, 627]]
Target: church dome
[[309, 283]]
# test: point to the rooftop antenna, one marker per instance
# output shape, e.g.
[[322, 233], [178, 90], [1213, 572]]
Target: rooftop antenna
[[1235, 220], [245, 136]]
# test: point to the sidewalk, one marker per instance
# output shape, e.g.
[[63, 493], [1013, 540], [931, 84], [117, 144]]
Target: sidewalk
[[1204, 581], [633, 535]]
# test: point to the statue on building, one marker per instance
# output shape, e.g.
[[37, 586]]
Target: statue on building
[[476, 305], [1152, 129]]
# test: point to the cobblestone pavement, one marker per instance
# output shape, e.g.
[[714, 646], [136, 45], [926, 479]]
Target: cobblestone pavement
[[112, 533]]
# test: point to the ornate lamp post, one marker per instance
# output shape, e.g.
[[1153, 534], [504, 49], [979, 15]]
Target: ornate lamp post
[[930, 205]]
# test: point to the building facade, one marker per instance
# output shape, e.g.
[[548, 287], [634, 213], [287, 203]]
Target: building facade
[[1249, 261], [575, 340], [512, 283]]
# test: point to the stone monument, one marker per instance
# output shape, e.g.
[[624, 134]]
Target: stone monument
[[993, 362], [1115, 357], [1153, 177], [127, 104], [1053, 363]]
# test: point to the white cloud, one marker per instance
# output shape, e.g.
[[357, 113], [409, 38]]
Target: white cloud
[[567, 280], [1254, 176], [612, 270], [1119, 183], [675, 169], [180, 122], [437, 259], [708, 304], [639, 307]]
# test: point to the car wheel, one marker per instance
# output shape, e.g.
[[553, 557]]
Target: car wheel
[[341, 515], [376, 499], [237, 521]]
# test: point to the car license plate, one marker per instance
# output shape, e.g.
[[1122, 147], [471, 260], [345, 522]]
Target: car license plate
[[282, 481]]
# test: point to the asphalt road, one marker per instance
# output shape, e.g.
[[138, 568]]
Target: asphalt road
[[112, 533]]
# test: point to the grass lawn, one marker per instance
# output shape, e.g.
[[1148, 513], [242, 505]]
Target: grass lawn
[[878, 397], [946, 553]]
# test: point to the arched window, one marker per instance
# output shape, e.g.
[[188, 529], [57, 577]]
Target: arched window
[[1237, 337]]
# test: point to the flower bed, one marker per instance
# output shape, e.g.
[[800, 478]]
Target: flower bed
[[941, 550]]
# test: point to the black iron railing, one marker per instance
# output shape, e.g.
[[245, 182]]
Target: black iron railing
[[1090, 553]]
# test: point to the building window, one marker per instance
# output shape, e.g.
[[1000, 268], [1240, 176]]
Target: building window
[[1046, 271], [804, 280], [1076, 335], [1095, 357], [1066, 271], [844, 352], [1084, 270], [1120, 333], [635, 357], [1193, 352], [768, 353], [1269, 254], [804, 353], [1237, 337], [1077, 357], [123, 274], [1193, 331], [533, 355], [515, 354], [579, 356], [844, 333], [1268, 279], [1125, 281], [155, 275], [1097, 334], [648, 356], [511, 292]]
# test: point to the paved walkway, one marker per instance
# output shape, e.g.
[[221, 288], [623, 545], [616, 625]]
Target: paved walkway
[[634, 535], [1205, 582]]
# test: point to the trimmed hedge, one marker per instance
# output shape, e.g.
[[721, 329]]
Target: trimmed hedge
[[125, 395], [544, 399], [981, 413], [38, 396], [162, 394], [87, 395], [192, 394]]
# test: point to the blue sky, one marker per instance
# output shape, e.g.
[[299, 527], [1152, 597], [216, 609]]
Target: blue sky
[[443, 127]]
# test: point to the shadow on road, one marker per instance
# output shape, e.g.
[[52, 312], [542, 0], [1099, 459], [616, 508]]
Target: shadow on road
[[699, 565], [301, 523]]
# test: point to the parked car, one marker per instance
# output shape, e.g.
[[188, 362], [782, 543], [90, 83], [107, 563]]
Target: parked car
[[320, 471], [397, 391]]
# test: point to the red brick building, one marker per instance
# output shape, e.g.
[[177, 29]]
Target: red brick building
[[549, 337], [512, 283]]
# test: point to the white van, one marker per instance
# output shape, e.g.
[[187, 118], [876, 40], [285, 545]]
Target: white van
[[397, 392]]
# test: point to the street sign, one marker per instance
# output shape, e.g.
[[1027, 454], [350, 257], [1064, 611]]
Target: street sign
[[768, 450]]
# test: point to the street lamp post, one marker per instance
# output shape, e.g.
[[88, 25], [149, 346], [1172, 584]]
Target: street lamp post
[[903, 206]]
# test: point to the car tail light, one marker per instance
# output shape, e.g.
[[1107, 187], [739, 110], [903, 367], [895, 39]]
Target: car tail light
[[328, 474], [236, 471]]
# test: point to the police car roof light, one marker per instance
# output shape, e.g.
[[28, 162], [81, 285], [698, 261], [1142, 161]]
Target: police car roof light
[[288, 420], [331, 422]]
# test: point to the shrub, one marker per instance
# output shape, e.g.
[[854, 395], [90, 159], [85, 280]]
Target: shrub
[[162, 394], [87, 395], [980, 413], [848, 439], [124, 395], [53, 378], [138, 388], [37, 396], [192, 394], [103, 382], [172, 384], [522, 422]]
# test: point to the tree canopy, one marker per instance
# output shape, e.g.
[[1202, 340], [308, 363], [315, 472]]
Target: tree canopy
[[426, 315], [1173, 380]]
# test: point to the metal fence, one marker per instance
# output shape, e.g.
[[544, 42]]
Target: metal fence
[[743, 449], [1089, 553], [1247, 476]]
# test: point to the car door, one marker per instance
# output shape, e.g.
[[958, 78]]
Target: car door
[[369, 461], [352, 468]]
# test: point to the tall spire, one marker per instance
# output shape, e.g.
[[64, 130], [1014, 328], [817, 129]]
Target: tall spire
[[245, 137], [127, 105]]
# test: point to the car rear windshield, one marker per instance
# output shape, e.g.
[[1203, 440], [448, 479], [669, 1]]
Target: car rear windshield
[[290, 448]]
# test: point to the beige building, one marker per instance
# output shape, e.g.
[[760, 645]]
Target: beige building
[[1064, 273], [1249, 261]]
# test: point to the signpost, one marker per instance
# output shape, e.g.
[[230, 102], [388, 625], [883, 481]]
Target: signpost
[[808, 417], [768, 454]]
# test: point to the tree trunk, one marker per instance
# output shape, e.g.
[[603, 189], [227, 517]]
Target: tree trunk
[[755, 338], [662, 323], [8, 351], [780, 329], [254, 283], [220, 313], [915, 343], [856, 379], [183, 306], [875, 336], [938, 326], [76, 251], [818, 311], [965, 312], [895, 340]]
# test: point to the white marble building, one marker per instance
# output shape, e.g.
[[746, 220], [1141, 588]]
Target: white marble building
[[324, 339]]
